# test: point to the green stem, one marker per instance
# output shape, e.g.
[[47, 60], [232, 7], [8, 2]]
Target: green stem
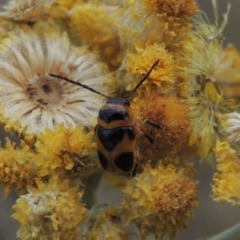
[[232, 233]]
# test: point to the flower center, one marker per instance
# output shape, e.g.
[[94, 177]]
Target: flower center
[[43, 91]]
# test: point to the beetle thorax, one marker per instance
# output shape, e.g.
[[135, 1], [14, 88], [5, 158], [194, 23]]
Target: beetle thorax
[[115, 115]]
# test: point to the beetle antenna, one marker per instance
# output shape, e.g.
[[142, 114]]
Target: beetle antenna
[[144, 78], [78, 84]]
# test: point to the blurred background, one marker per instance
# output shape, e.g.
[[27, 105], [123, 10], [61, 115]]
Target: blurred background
[[211, 217]]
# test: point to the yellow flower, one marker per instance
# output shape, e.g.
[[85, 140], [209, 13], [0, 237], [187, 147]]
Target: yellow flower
[[61, 7], [206, 110], [138, 26], [65, 151], [207, 105], [31, 100], [18, 169], [159, 200], [51, 211], [163, 75], [170, 114], [27, 10], [178, 10], [95, 25], [102, 224], [156, 21], [7, 26], [203, 112], [226, 181], [203, 57]]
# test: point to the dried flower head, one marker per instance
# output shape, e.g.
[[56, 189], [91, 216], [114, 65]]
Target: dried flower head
[[204, 57], [233, 126], [159, 200], [103, 36], [206, 109], [202, 111], [205, 49], [102, 224], [18, 169], [52, 211], [156, 21], [180, 10], [31, 100], [205, 29], [7, 26], [229, 66], [65, 151], [170, 114], [61, 8], [138, 26], [27, 10], [226, 180], [207, 105]]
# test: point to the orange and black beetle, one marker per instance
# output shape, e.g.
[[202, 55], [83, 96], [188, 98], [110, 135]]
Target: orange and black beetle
[[116, 131]]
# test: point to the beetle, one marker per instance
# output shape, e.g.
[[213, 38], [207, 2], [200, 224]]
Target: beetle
[[116, 130]]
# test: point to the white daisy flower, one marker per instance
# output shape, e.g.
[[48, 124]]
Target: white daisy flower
[[233, 128], [36, 101], [27, 10]]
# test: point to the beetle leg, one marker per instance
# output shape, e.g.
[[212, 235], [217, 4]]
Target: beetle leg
[[134, 171], [148, 138], [153, 124]]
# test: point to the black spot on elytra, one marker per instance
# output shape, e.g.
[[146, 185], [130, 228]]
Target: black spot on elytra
[[103, 160], [125, 161], [111, 137]]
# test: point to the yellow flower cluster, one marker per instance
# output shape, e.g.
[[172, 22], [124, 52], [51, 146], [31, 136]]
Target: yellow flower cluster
[[187, 107], [50, 211], [226, 187], [68, 156], [163, 76], [66, 152], [103, 36], [159, 200], [18, 168], [171, 114]]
